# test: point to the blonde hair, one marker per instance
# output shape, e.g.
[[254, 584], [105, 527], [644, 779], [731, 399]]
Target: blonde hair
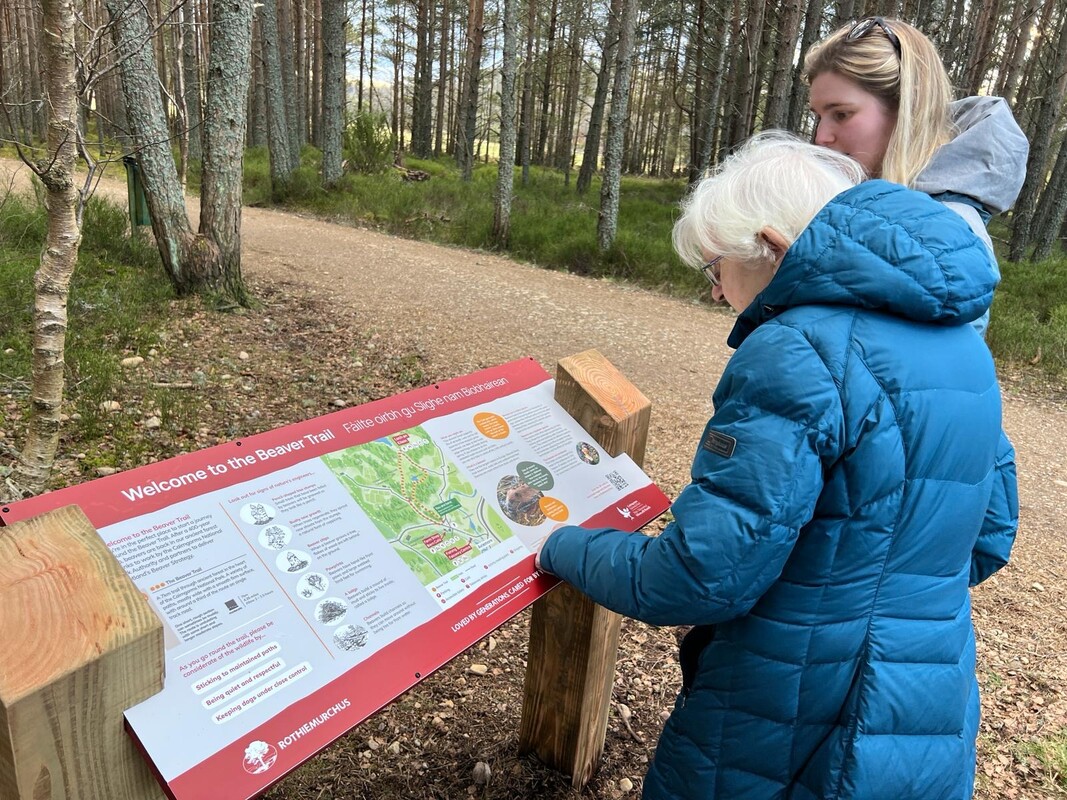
[[773, 179], [913, 85]]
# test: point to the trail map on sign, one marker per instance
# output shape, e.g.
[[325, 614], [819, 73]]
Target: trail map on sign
[[419, 501]]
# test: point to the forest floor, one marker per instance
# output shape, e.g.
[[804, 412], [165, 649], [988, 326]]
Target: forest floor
[[348, 315]]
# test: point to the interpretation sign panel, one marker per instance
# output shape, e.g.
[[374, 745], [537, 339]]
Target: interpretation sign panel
[[307, 576]]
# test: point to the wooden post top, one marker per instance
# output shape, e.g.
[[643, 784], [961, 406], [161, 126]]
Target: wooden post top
[[64, 601], [604, 402]]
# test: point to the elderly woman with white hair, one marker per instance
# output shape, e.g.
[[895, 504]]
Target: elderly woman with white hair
[[851, 485]]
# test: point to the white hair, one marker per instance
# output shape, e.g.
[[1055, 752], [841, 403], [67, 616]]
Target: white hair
[[774, 179]]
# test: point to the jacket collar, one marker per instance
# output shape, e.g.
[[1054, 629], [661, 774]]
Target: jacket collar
[[881, 247]]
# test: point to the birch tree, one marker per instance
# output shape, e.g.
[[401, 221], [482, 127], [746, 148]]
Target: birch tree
[[63, 202]]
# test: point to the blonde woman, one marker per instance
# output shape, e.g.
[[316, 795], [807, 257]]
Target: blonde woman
[[881, 95], [850, 486]]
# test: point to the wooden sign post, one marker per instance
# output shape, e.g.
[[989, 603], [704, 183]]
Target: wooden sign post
[[80, 644], [573, 641]]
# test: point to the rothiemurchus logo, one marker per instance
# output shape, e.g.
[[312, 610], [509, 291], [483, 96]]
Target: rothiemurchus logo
[[259, 757]]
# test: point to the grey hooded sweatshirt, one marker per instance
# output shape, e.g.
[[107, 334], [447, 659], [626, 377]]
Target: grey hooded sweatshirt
[[980, 172]]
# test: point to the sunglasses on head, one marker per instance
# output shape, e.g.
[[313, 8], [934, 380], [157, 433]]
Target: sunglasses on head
[[862, 27]]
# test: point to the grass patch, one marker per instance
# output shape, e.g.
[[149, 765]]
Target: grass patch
[[1028, 324], [118, 303], [1050, 752]]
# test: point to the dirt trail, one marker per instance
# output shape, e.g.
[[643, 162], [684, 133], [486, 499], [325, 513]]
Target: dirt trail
[[465, 310]]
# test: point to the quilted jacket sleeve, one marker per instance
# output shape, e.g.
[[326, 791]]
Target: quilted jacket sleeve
[[994, 543], [756, 478]]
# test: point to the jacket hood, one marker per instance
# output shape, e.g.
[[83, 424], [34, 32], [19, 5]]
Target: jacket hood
[[987, 159], [881, 247]]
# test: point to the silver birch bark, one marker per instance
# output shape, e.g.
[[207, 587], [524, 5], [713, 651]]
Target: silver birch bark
[[60, 253], [608, 222], [506, 167]]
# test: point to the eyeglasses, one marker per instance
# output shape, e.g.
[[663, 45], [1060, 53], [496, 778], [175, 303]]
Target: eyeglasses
[[862, 27], [711, 270]]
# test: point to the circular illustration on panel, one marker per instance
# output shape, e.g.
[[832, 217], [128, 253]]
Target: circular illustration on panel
[[331, 610], [258, 513], [293, 561], [350, 637], [520, 501], [312, 585], [588, 453], [275, 537]]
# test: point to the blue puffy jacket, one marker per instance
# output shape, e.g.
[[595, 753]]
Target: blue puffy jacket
[[853, 482]]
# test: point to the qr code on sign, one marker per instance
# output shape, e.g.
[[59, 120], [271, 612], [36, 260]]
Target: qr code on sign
[[617, 480]]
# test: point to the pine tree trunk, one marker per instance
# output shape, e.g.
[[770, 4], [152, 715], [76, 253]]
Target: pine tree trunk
[[224, 130], [608, 221], [565, 136], [295, 136], [193, 107], [546, 87], [1019, 37], [712, 134], [798, 98], [148, 124], [442, 71], [362, 54], [980, 46], [60, 252], [526, 121], [1051, 215], [469, 108], [333, 87], [256, 135], [316, 73], [300, 74], [776, 114], [281, 153], [1040, 143], [747, 66], [422, 92], [506, 164], [600, 99], [34, 117]]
